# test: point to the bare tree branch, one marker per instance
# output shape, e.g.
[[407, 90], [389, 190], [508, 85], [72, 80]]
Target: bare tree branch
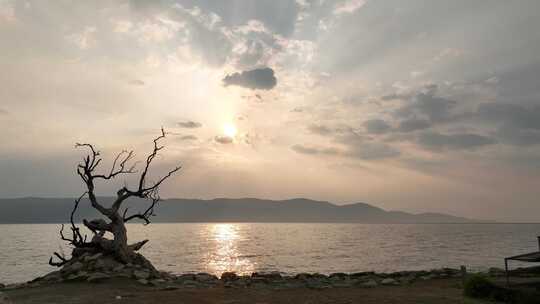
[[117, 246]]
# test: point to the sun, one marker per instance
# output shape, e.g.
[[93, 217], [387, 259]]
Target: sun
[[229, 130]]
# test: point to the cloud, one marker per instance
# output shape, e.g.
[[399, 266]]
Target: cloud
[[302, 149], [320, 129], [413, 124], [377, 126], [85, 39], [136, 82], [189, 124], [188, 137], [372, 150], [224, 139], [348, 7], [516, 136], [514, 115], [427, 105], [365, 147], [262, 78], [461, 141]]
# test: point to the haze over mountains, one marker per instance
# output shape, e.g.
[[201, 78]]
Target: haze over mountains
[[57, 210]]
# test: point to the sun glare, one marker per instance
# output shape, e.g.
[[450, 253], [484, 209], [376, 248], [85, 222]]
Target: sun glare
[[229, 130]]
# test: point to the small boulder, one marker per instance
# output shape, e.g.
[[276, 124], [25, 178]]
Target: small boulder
[[97, 277], [143, 281], [229, 276], [93, 257], [389, 281], [205, 277], [274, 275], [139, 274]]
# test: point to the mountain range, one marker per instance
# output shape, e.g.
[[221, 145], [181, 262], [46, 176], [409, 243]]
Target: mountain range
[[57, 210]]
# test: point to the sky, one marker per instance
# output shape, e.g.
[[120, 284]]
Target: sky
[[420, 106]]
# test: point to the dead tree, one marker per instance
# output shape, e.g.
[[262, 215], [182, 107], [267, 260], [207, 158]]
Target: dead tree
[[116, 220]]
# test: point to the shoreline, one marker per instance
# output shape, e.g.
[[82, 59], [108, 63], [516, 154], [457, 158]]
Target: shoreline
[[232, 279], [99, 279]]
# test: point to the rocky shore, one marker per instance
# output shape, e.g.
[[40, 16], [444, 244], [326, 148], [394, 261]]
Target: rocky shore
[[98, 268]]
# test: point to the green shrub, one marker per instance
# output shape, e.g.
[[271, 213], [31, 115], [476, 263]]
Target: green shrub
[[479, 286]]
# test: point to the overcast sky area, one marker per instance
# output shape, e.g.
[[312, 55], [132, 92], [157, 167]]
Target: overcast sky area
[[421, 106]]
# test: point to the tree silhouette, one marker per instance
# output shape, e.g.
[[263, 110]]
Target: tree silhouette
[[115, 220]]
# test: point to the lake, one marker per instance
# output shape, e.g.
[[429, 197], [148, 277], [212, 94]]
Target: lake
[[286, 247]]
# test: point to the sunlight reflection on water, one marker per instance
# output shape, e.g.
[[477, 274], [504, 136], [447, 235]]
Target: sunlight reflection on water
[[226, 256], [287, 247]]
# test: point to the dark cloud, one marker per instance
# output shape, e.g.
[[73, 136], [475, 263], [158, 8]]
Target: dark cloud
[[262, 78], [413, 124], [426, 105], [461, 141], [365, 147], [223, 139], [302, 149], [377, 126], [189, 124], [136, 82], [513, 115], [520, 137]]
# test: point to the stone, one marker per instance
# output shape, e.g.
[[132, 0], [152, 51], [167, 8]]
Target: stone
[[205, 277], [407, 279], [229, 276], [302, 276], [4, 299], [97, 277], [343, 283], [428, 277], [369, 284], [274, 275], [77, 276], [74, 267], [338, 275], [143, 281], [139, 274], [118, 268], [52, 277], [389, 281], [93, 257], [190, 284], [362, 274]]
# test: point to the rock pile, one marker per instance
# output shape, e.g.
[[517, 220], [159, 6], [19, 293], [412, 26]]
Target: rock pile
[[97, 268]]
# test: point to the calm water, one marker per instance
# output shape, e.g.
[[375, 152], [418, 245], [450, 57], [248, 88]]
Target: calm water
[[289, 248]]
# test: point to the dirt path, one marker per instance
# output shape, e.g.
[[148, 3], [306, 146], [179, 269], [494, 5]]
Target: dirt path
[[433, 291]]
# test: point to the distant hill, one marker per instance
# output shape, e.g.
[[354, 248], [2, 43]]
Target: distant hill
[[56, 210]]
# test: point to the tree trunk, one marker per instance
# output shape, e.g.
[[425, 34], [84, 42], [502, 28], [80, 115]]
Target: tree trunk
[[120, 246]]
